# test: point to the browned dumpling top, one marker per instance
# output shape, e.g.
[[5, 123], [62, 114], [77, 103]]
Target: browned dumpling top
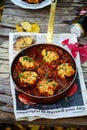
[[65, 70], [28, 62], [47, 87], [28, 77], [49, 56]]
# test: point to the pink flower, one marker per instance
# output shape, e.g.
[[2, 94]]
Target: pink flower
[[65, 42], [72, 47], [75, 48], [83, 53]]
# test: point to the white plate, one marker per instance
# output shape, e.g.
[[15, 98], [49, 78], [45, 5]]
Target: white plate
[[25, 5]]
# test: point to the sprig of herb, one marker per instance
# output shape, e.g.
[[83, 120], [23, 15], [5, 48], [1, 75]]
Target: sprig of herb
[[20, 75], [27, 58]]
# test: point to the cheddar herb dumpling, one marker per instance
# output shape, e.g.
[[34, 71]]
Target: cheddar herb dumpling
[[65, 70], [47, 87], [29, 77], [49, 56], [27, 62]]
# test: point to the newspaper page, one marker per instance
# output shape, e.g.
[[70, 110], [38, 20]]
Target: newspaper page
[[74, 104]]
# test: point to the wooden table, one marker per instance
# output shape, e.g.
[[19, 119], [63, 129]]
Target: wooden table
[[66, 12]]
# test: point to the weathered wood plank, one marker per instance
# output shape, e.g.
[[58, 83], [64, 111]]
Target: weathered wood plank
[[4, 75], [4, 44], [6, 108], [6, 99], [6, 117], [5, 89], [11, 17]]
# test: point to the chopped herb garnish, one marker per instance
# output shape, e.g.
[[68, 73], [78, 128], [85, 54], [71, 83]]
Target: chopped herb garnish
[[27, 58], [46, 52], [49, 80], [54, 85], [44, 59], [20, 75], [63, 64], [23, 69], [33, 75], [46, 74]]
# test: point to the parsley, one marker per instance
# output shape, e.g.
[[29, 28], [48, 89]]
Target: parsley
[[27, 58], [46, 74], [46, 52], [20, 75], [49, 80]]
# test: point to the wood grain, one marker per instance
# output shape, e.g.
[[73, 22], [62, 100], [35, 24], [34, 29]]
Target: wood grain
[[66, 12]]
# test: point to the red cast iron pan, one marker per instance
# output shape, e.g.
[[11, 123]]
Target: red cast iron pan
[[43, 99]]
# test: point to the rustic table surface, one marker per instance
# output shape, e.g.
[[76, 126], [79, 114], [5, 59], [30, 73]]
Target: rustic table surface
[[66, 12]]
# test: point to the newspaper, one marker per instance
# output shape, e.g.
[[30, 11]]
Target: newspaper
[[74, 104]]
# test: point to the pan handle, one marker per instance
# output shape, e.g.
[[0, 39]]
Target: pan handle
[[51, 21]]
